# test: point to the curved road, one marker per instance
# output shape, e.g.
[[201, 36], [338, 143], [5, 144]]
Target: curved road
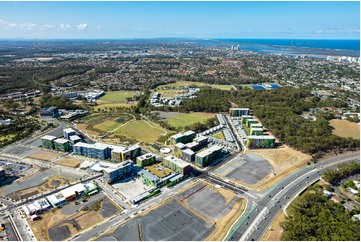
[[260, 214]]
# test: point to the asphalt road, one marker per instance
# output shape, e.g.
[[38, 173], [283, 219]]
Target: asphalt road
[[253, 225]]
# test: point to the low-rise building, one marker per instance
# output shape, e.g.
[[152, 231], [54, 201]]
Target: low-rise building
[[97, 150], [188, 155], [47, 141], [202, 141], [245, 117], [176, 164], [114, 171], [238, 112], [146, 160], [61, 145], [73, 192], [184, 138], [68, 133], [74, 139], [56, 199], [256, 131], [260, 141], [208, 156], [49, 112], [120, 153]]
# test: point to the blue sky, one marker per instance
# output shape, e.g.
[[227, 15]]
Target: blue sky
[[305, 20]]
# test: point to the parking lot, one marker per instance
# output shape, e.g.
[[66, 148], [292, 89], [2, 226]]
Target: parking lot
[[131, 188], [168, 222], [14, 168], [20, 151], [210, 203], [249, 169]]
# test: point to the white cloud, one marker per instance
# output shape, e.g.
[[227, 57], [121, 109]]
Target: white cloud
[[47, 26], [82, 26], [28, 26], [65, 26]]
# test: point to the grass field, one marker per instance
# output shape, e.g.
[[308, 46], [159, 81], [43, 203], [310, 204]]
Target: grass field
[[118, 96], [345, 128], [223, 87], [108, 125], [141, 131], [181, 84], [188, 119], [219, 135], [170, 93]]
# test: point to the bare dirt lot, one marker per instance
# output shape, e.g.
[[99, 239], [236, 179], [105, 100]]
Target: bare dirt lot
[[282, 162], [44, 155], [71, 162], [345, 128]]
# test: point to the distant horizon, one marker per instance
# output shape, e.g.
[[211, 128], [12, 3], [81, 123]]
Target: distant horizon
[[203, 20], [197, 38]]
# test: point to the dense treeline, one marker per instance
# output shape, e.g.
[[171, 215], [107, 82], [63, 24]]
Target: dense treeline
[[334, 176], [279, 111], [20, 128], [31, 78], [315, 217], [62, 102]]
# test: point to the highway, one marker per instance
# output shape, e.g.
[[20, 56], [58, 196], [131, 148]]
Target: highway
[[252, 226]]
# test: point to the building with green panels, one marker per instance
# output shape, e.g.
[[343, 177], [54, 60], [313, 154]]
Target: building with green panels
[[245, 117], [91, 188], [47, 142], [256, 131], [257, 125], [261, 141], [184, 138], [208, 156], [146, 160], [61, 145], [150, 178], [251, 121], [176, 164], [175, 180], [238, 112]]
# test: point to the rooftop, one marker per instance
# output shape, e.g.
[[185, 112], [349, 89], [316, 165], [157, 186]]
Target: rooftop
[[209, 151], [189, 132], [177, 161], [48, 137], [146, 156], [69, 130], [261, 137], [108, 167], [61, 141]]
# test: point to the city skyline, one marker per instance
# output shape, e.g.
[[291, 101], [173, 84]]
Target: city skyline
[[123, 20]]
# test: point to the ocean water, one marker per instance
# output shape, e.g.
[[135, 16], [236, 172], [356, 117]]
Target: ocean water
[[297, 46]]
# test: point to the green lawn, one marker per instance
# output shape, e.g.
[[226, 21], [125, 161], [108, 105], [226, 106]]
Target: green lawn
[[188, 119], [108, 125], [223, 87], [219, 135], [118, 96], [141, 131], [182, 84]]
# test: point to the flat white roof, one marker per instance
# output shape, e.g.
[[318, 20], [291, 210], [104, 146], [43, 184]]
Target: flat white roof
[[261, 137], [177, 161], [61, 141], [55, 198], [49, 137], [177, 136], [94, 146], [146, 156], [189, 132], [74, 137], [209, 150], [188, 151], [257, 129], [106, 166], [200, 138], [67, 192], [239, 108], [69, 130]]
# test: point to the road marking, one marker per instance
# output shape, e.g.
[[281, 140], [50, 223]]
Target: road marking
[[252, 226]]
